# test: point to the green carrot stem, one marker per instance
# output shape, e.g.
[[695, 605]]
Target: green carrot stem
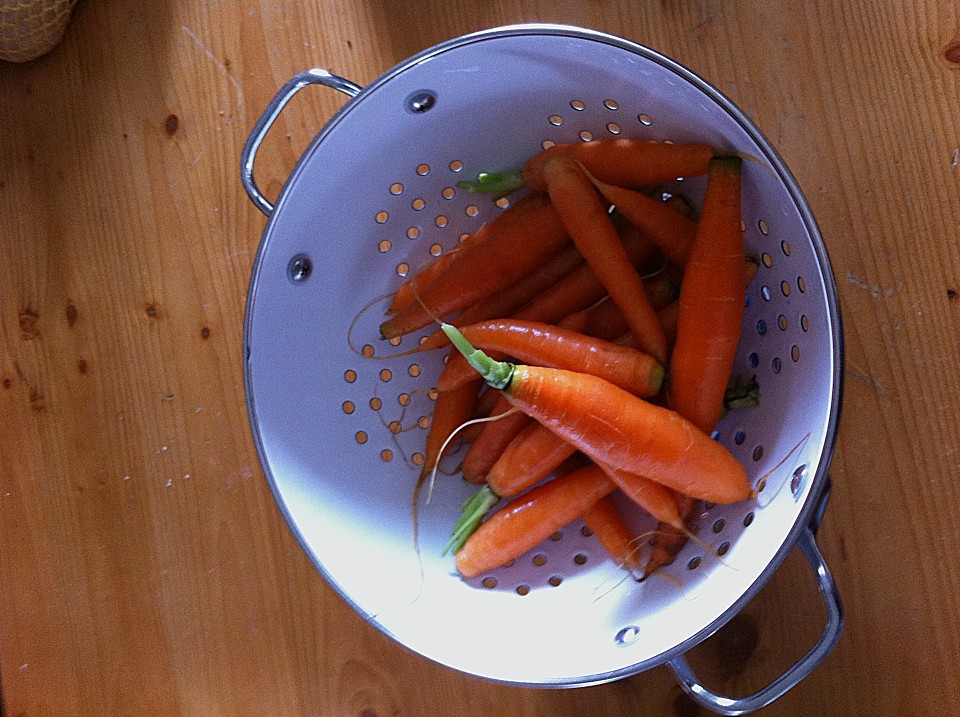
[[499, 183], [743, 394], [497, 373], [472, 513]]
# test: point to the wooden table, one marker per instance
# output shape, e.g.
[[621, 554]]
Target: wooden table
[[144, 566]]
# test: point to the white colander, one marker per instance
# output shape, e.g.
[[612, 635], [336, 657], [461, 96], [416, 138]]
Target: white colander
[[340, 434]]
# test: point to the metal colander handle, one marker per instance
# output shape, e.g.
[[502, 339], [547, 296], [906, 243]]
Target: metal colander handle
[[831, 633], [316, 76]]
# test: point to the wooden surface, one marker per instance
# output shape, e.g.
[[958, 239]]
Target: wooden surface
[[144, 566]]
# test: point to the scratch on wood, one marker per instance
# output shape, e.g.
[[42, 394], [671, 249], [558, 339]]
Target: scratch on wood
[[875, 291], [867, 381], [955, 161], [220, 66]]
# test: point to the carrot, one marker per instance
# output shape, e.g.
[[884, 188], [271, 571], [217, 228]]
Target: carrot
[[672, 232], [654, 498], [668, 312], [603, 320], [450, 411], [707, 322], [484, 269], [514, 298], [547, 345], [530, 457], [616, 428], [711, 302], [585, 217], [486, 400], [604, 520], [406, 293], [624, 162], [415, 283], [492, 440], [668, 540], [668, 319], [523, 523]]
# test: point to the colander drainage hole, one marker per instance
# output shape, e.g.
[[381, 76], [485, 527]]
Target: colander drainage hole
[[627, 635], [798, 479]]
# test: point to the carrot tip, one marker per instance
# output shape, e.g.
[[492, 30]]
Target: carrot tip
[[730, 162]]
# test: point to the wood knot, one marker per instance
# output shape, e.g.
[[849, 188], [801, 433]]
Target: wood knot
[[28, 324], [951, 52], [171, 124]]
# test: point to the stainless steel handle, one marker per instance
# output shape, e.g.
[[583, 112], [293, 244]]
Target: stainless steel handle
[[831, 633], [316, 76]]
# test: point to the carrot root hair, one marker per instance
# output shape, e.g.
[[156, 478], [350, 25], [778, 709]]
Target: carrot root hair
[[626, 565], [762, 481]]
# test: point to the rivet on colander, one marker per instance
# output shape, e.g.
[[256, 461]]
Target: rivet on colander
[[299, 268], [627, 635], [421, 101]]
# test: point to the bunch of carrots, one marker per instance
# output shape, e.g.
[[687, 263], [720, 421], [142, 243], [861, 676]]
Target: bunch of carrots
[[594, 327]]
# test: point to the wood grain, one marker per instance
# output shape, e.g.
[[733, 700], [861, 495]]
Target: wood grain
[[144, 567]]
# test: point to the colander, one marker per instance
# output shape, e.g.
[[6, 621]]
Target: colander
[[340, 417]]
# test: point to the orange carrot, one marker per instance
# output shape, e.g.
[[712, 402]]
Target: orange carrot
[[668, 540], [493, 439], [604, 519], [547, 345], [616, 428], [623, 162], [530, 457], [603, 320], [514, 298], [668, 319], [485, 402], [654, 498], [708, 317], [581, 288], [484, 269], [406, 293], [450, 411], [672, 232], [523, 523], [711, 302], [585, 217], [415, 283], [668, 312]]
